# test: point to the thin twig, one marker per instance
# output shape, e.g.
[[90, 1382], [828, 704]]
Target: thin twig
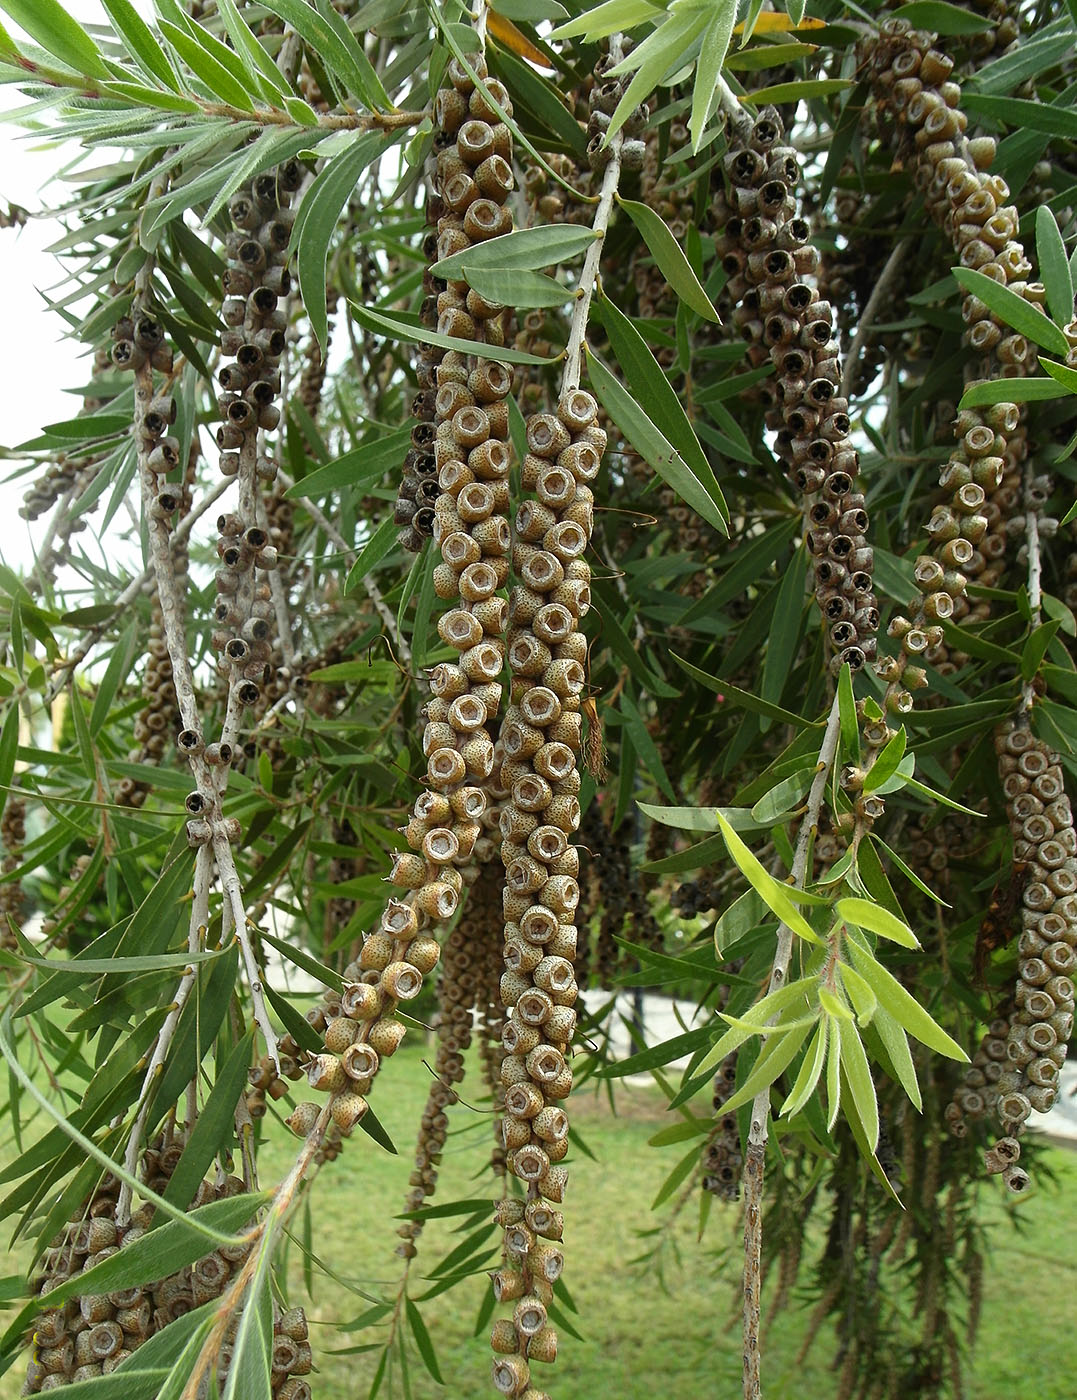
[[331, 532], [197, 928], [863, 328], [581, 310], [758, 1132]]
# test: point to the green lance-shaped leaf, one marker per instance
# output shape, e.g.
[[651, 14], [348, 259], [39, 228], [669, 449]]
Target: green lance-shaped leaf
[[398, 328], [864, 1001], [791, 998], [877, 920], [1054, 265], [608, 18], [422, 1341], [527, 249], [59, 34], [373, 552], [649, 62], [214, 1127], [799, 91], [250, 1371], [217, 76], [810, 1072], [141, 43], [669, 257], [941, 17], [886, 765], [896, 1044], [258, 62], [516, 286], [365, 463], [985, 392], [774, 1059], [833, 1077], [904, 1007], [861, 1086], [317, 218], [1014, 310], [646, 380], [1059, 122], [778, 897], [712, 54], [337, 47]]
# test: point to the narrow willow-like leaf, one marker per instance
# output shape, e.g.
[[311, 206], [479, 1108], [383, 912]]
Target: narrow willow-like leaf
[[1014, 310], [608, 18], [712, 54], [59, 34], [141, 43], [669, 256], [395, 328], [903, 1006], [527, 249], [809, 1074], [877, 920], [317, 218]]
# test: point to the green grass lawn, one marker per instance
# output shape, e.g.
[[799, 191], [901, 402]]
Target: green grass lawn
[[641, 1340]]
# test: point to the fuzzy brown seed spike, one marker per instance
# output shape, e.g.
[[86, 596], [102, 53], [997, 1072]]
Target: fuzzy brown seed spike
[[913, 85], [1044, 841], [765, 247]]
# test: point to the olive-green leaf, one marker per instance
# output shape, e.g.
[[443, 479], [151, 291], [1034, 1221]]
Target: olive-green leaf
[[1021, 315], [712, 54], [373, 552], [516, 286], [317, 219], [529, 249], [809, 1073], [396, 328], [220, 80], [775, 1057], [902, 1005], [777, 897], [365, 463], [878, 920], [797, 91], [669, 257], [1054, 265], [854, 1061], [58, 33], [983, 392], [141, 43], [941, 17], [422, 1341], [608, 18]]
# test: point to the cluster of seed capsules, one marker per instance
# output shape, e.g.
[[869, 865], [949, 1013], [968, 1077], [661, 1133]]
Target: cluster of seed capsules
[[471, 180], [766, 250], [90, 1334], [12, 840], [913, 86], [470, 969], [722, 1161], [541, 736], [159, 718], [977, 1094], [1044, 843]]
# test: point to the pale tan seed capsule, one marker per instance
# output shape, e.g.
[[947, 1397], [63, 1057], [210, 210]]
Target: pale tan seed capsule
[[409, 870], [326, 1074], [543, 1345], [515, 1133], [503, 1337], [524, 1101], [423, 953], [376, 952], [509, 1211], [340, 1033], [385, 1036], [508, 1285], [361, 1001], [402, 981], [303, 1118], [551, 1125], [360, 1061], [347, 1110]]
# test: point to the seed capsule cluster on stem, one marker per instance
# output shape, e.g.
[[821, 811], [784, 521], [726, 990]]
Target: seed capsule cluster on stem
[[91, 1334], [765, 248], [913, 84], [1041, 822]]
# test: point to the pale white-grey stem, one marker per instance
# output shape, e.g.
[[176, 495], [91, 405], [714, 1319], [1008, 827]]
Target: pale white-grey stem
[[196, 933], [759, 1127], [332, 534], [867, 316], [233, 892]]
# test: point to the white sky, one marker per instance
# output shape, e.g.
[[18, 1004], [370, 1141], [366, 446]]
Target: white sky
[[36, 364]]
